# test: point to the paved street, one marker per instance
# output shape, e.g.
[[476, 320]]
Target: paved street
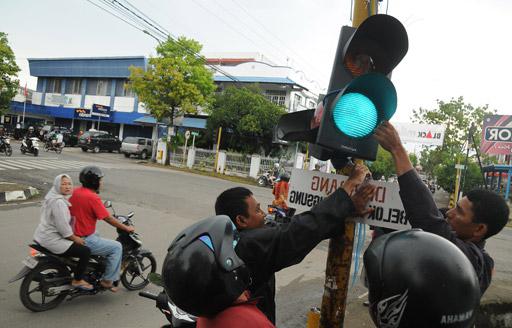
[[164, 201]]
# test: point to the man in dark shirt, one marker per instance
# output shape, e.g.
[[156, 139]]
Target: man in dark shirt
[[479, 215], [266, 250]]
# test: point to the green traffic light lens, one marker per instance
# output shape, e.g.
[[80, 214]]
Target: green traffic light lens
[[355, 115]]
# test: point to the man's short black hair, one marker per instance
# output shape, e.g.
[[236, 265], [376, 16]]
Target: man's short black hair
[[489, 208], [232, 203]]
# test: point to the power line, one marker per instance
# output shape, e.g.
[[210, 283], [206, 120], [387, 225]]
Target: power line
[[111, 13], [163, 35], [167, 34]]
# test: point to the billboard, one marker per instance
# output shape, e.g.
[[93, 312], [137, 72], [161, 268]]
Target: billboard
[[83, 113], [497, 135], [424, 134], [101, 112]]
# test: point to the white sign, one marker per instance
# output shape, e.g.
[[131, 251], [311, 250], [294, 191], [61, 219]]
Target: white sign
[[307, 188], [59, 99], [426, 134]]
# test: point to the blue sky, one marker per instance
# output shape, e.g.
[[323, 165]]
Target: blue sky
[[456, 47]]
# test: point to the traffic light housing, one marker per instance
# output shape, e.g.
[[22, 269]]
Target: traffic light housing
[[360, 95]]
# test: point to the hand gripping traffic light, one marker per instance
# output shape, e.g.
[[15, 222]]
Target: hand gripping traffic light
[[360, 95]]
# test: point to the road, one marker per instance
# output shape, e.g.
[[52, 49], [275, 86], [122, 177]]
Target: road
[[165, 201]]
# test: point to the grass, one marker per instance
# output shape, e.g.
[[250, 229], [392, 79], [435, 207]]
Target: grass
[[235, 179]]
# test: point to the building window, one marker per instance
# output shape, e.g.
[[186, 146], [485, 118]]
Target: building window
[[103, 88], [122, 90], [297, 100], [311, 104], [74, 86], [96, 87], [276, 96], [53, 85]]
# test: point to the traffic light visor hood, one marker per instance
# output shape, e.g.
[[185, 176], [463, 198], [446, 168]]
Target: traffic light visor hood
[[364, 104], [378, 45]]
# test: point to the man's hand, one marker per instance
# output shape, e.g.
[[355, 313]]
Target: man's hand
[[357, 177], [361, 198], [388, 138], [129, 229]]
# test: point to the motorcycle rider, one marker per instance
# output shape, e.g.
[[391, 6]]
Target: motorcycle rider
[[87, 208], [280, 191], [55, 233], [30, 134]]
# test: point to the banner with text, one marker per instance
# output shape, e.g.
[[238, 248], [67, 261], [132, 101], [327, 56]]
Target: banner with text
[[84, 113], [101, 112], [497, 135], [425, 134], [307, 188]]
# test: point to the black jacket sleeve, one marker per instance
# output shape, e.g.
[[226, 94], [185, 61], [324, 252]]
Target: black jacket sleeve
[[270, 249], [422, 213]]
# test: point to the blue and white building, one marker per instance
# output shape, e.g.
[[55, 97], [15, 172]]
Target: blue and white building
[[65, 85], [68, 86]]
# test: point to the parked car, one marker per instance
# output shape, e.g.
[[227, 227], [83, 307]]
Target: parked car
[[98, 141], [141, 147]]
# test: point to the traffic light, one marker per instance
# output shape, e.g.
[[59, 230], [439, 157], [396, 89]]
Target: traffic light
[[360, 95]]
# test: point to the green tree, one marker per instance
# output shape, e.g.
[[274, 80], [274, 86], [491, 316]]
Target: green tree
[[8, 73], [457, 117], [383, 165], [175, 82], [247, 119]]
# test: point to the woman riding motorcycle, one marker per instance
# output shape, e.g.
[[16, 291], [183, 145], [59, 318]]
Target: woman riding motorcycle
[[55, 232]]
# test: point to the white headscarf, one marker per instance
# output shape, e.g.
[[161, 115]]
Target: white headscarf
[[54, 194]]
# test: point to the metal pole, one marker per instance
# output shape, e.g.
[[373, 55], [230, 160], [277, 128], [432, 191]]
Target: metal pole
[[193, 141], [339, 257], [24, 106], [218, 146]]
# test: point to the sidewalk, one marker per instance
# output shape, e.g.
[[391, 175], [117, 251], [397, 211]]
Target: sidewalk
[[10, 192]]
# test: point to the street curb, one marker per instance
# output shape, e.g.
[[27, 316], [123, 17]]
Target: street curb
[[17, 195]]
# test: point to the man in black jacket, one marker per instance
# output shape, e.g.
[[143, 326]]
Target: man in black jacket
[[266, 250], [476, 217]]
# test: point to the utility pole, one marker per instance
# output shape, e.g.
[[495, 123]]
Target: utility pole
[[339, 258]]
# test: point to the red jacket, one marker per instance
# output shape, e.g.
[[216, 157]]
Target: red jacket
[[245, 315]]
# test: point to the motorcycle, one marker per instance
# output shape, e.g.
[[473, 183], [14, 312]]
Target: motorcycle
[[177, 318], [5, 146], [33, 148], [47, 276], [266, 179], [278, 215], [53, 145]]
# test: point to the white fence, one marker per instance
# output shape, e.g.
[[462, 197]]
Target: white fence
[[233, 163]]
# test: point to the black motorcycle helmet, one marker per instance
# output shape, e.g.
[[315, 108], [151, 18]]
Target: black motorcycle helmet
[[202, 274], [90, 177], [418, 279]]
